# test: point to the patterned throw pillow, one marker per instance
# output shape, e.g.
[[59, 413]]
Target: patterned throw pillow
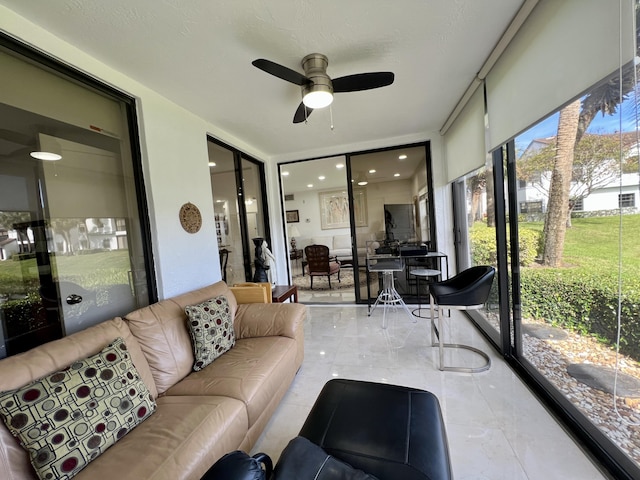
[[211, 330], [68, 418]]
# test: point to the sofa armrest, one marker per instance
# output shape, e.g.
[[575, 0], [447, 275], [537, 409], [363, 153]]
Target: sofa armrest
[[271, 319]]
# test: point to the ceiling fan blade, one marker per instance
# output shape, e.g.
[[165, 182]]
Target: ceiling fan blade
[[362, 81], [300, 115], [280, 71]]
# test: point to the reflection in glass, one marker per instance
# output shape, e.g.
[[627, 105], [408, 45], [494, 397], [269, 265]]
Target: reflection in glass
[[71, 247]]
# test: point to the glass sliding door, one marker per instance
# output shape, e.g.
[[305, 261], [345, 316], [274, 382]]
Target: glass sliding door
[[578, 257], [394, 186], [72, 245], [476, 238], [239, 208], [317, 212], [340, 202]]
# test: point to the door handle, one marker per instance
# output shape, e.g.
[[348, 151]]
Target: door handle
[[74, 299]]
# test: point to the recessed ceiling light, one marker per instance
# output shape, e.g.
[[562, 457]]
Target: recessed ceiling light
[[402, 157], [372, 171], [310, 185], [339, 165], [47, 156], [321, 177], [212, 164], [362, 183], [285, 174], [396, 174]]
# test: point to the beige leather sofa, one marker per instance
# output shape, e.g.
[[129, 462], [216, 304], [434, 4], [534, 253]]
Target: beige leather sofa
[[201, 415]]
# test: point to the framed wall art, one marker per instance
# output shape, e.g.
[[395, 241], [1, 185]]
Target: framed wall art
[[334, 208], [292, 216]]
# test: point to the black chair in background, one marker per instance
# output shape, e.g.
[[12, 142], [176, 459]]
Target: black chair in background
[[319, 264], [224, 258], [468, 290]]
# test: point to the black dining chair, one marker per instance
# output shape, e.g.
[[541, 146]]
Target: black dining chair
[[468, 290]]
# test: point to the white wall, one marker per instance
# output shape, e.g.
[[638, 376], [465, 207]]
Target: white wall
[[308, 205]]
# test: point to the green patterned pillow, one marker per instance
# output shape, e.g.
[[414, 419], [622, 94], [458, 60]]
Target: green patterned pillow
[[211, 330], [68, 418]]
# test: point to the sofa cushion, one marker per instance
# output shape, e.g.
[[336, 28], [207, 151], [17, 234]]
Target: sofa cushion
[[20, 369], [252, 372], [211, 330], [68, 418], [326, 240], [161, 331], [342, 242], [181, 440]]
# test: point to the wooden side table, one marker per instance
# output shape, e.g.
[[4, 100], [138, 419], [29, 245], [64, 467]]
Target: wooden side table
[[280, 293]]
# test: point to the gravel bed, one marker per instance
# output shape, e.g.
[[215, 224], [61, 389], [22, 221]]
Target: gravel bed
[[551, 357]]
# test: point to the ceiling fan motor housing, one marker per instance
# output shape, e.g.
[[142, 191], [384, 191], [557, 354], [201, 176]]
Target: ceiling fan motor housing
[[315, 69]]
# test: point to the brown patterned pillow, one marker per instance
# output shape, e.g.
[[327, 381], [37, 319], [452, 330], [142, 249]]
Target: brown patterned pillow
[[211, 330], [69, 417]]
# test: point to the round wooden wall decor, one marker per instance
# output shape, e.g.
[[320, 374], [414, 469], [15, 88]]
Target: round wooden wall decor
[[190, 218]]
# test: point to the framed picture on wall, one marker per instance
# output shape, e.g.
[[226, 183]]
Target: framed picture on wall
[[292, 216], [334, 208]]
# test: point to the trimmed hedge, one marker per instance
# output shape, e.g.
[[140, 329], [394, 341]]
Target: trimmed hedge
[[483, 245], [573, 298], [583, 301]]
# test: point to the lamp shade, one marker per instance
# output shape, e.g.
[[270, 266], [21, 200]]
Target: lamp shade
[[293, 232]]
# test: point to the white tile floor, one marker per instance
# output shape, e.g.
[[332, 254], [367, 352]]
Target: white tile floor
[[496, 428]]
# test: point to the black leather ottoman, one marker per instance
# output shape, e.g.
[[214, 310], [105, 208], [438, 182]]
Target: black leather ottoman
[[389, 431]]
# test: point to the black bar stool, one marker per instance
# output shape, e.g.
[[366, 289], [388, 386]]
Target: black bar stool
[[468, 290]]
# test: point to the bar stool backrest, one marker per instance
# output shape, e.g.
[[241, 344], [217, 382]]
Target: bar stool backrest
[[469, 287]]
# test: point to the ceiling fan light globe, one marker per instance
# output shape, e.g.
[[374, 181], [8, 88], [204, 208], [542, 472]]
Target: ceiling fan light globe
[[317, 99]]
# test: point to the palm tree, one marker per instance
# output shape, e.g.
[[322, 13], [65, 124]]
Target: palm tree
[[605, 98]]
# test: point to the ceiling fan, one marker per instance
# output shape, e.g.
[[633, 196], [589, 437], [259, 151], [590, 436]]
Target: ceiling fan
[[317, 87]]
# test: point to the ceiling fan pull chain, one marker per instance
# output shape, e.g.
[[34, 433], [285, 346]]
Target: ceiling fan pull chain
[[331, 115]]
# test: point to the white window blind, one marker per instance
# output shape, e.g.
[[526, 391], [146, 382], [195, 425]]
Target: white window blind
[[465, 141], [563, 48]]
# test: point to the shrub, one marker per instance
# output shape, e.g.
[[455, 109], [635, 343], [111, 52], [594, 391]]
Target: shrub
[[583, 301], [24, 315], [483, 245]]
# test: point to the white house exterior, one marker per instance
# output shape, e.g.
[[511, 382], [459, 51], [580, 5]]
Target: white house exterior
[[623, 191]]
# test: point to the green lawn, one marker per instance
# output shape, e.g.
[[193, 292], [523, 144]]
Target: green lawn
[[594, 243], [90, 270]]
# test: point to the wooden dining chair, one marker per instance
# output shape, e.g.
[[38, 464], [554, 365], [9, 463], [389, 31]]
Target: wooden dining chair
[[319, 264]]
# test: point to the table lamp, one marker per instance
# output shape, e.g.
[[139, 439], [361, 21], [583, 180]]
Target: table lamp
[[293, 233]]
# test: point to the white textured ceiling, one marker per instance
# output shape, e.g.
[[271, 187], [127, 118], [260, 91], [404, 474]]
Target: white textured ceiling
[[198, 53]]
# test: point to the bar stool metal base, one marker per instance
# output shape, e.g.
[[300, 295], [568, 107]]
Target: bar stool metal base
[[436, 334], [389, 296]]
